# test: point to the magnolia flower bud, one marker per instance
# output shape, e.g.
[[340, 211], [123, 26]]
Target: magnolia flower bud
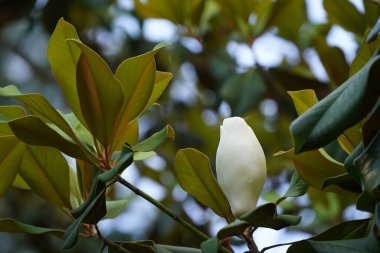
[[240, 165]]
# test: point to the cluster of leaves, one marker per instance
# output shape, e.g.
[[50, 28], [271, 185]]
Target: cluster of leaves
[[101, 133]]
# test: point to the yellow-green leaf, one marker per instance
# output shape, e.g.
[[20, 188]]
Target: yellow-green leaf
[[314, 167], [8, 113], [193, 172], [63, 58], [11, 152], [46, 171]]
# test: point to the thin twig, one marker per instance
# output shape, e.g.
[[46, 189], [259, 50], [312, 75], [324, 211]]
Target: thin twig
[[274, 246], [248, 237], [162, 208], [110, 243]]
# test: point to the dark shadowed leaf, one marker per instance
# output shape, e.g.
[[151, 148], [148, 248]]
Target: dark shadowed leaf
[[8, 113], [193, 172], [233, 229], [374, 32], [12, 226], [266, 216]]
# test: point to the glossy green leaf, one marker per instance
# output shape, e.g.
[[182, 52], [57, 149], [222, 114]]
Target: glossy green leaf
[[374, 32], [8, 113], [193, 172], [76, 198], [137, 76], [12, 226], [161, 81], [297, 187], [46, 171], [39, 106], [139, 156], [63, 58], [125, 159], [71, 233], [345, 14], [100, 94], [340, 110], [114, 208], [314, 167], [32, 130], [303, 100], [156, 140], [266, 216], [344, 231], [233, 229], [367, 166], [11, 153]]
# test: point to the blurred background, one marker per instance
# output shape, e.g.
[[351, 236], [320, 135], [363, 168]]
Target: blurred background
[[228, 57]]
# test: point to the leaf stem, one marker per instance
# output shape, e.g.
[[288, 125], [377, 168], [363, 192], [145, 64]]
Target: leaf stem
[[163, 208], [248, 237]]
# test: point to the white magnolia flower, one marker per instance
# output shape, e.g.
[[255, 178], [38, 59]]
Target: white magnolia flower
[[240, 165]]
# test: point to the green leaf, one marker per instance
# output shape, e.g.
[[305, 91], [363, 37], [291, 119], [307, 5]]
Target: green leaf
[[11, 152], [137, 76], [46, 171], [341, 246], [303, 100], [91, 212], [340, 110], [366, 202], [155, 140], [100, 94], [161, 81], [19, 182], [367, 166], [75, 192], [297, 187], [344, 231], [233, 229], [32, 130], [372, 125], [129, 135], [344, 181], [125, 159], [345, 14], [211, 246], [8, 113], [193, 172], [374, 32], [139, 156], [11, 226], [314, 167], [39, 106], [114, 208], [266, 216], [63, 58]]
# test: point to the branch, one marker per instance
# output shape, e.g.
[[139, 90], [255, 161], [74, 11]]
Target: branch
[[110, 243], [274, 246], [163, 208]]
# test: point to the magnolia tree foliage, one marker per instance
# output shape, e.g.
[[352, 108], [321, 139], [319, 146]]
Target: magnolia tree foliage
[[102, 135]]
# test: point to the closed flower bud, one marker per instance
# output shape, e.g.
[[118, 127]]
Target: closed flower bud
[[240, 165]]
